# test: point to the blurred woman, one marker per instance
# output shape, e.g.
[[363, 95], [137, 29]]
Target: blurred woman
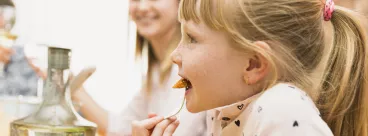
[[158, 35]]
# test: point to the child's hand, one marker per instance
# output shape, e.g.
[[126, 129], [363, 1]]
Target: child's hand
[[36, 69], [5, 54], [155, 126]]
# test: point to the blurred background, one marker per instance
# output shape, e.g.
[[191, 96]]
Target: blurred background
[[96, 31]]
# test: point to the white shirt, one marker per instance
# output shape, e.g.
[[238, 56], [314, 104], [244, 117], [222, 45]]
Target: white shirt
[[283, 110], [163, 101]]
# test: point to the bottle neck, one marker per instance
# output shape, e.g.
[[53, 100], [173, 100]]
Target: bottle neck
[[54, 89]]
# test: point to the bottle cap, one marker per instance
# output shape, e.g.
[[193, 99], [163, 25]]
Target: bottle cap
[[59, 58]]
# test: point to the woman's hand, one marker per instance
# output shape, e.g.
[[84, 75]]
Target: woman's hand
[[155, 126], [77, 90], [77, 81]]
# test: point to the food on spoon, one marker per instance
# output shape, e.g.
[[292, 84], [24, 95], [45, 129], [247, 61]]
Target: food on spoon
[[182, 83]]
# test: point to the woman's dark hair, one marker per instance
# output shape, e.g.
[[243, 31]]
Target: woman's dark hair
[[6, 3]]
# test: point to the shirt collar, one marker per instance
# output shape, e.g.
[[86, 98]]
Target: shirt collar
[[232, 111]]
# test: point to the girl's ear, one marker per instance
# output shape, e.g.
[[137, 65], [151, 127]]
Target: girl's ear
[[257, 66]]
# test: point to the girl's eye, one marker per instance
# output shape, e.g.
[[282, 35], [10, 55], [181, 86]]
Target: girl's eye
[[191, 39]]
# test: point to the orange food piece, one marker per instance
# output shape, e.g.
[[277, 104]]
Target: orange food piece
[[182, 83]]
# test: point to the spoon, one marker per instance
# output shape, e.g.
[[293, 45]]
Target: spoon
[[178, 111]]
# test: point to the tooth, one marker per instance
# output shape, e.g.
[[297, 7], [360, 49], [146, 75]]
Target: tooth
[[180, 84]]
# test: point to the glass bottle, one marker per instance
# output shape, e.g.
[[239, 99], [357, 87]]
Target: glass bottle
[[56, 115]]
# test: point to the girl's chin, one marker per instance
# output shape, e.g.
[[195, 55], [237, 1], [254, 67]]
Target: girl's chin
[[192, 107]]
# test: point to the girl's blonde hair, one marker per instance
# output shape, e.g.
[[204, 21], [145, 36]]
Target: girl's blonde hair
[[329, 60]]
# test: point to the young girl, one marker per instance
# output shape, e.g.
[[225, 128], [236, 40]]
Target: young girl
[[271, 68]]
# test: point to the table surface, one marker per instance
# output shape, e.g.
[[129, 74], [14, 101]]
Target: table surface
[[5, 121]]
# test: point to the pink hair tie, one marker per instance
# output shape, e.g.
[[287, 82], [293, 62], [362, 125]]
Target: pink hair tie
[[328, 10]]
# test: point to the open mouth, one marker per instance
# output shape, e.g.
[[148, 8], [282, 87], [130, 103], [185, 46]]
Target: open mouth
[[183, 83]]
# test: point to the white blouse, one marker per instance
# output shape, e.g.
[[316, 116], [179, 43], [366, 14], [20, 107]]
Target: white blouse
[[163, 101], [283, 110]]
